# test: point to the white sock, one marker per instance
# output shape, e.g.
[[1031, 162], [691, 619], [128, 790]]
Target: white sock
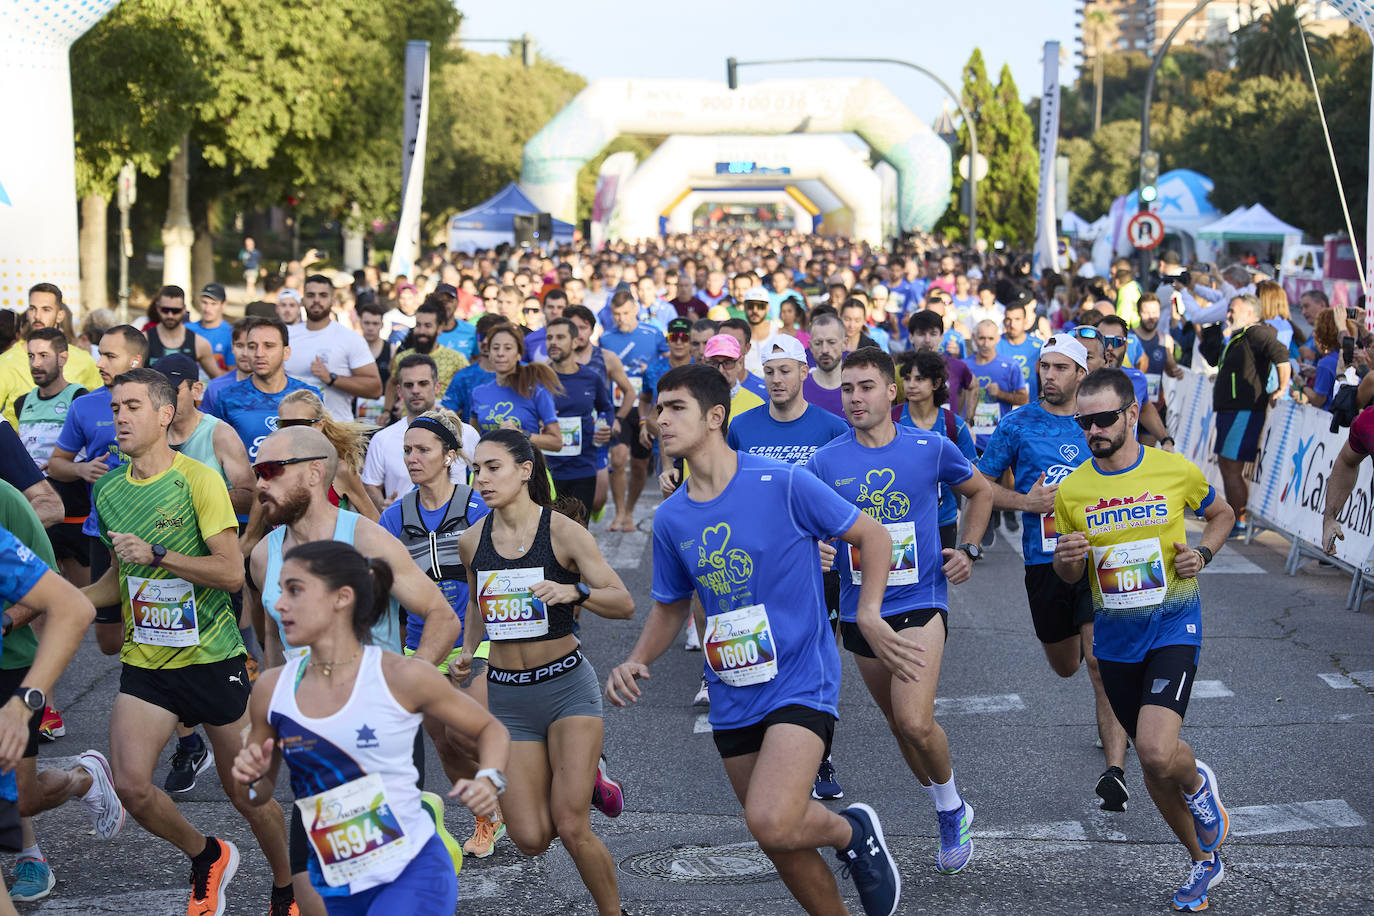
[[945, 795], [31, 852]]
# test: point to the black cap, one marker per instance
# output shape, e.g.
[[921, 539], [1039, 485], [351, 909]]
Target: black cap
[[178, 367], [261, 309], [446, 289], [214, 291], [680, 326]]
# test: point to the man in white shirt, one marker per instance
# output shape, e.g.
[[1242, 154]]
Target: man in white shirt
[[384, 470], [326, 354]]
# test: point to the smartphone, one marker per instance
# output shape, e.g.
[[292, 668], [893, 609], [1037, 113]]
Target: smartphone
[[1348, 350], [1351, 311]]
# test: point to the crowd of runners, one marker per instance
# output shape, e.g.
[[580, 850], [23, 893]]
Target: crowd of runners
[[358, 518]]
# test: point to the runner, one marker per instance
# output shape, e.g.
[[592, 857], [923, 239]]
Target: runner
[[680, 353], [926, 381], [606, 363], [1345, 473], [170, 529], [742, 534], [529, 569], [1000, 381], [585, 415], [251, 407], [822, 384], [1040, 444], [345, 717], [349, 439], [892, 474], [212, 326], [458, 394], [46, 310], [1125, 510], [326, 355], [1154, 345], [170, 334], [637, 345], [242, 367], [1114, 347]]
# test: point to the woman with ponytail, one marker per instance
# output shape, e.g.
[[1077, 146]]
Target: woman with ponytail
[[529, 570], [344, 717], [520, 398]]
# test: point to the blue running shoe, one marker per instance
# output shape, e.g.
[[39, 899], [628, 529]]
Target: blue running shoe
[[1192, 896], [32, 880], [956, 845], [1209, 817], [868, 862], [827, 787]]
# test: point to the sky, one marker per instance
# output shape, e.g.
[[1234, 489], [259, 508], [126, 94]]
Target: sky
[[644, 38]]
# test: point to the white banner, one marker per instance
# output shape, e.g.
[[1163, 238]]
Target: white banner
[[1046, 242], [1289, 476], [414, 131], [616, 169]]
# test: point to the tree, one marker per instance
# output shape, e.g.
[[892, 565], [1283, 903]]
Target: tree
[[979, 98], [1099, 33], [1013, 166], [1272, 44]]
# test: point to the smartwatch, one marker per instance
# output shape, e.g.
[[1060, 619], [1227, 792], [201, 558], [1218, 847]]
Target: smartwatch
[[33, 698], [333, 377], [1168, 439], [159, 554], [975, 553], [495, 777], [1205, 553], [583, 593]]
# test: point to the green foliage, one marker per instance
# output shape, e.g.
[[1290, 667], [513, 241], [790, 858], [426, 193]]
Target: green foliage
[[642, 147], [1272, 45]]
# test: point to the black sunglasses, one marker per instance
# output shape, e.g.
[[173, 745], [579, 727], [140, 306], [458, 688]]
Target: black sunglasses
[[300, 421], [270, 470], [171, 311], [1103, 419]]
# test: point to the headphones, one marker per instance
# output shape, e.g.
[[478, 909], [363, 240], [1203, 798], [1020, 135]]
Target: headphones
[[448, 462]]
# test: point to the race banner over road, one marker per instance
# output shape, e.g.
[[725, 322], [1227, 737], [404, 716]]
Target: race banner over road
[[414, 132], [1288, 479]]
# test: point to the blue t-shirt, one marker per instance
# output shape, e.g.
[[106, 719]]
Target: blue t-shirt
[[1139, 383], [896, 485], [794, 442], [954, 344], [20, 568], [755, 544], [455, 590], [636, 348], [536, 346], [1325, 382], [462, 338], [214, 388], [221, 340], [252, 412], [493, 404], [90, 426], [585, 397], [1032, 441], [1026, 355], [1001, 372], [949, 504], [458, 394], [657, 369]]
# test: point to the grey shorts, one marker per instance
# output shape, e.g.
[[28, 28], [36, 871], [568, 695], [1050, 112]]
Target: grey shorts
[[528, 702]]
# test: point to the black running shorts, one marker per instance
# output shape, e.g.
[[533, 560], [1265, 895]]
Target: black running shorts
[[853, 637], [215, 693], [1058, 608], [748, 739], [1163, 678]]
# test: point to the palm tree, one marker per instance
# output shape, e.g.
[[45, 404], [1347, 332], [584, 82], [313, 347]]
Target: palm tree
[[1272, 44], [1100, 32]]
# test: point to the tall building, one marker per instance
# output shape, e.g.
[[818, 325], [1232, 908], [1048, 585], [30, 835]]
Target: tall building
[[1127, 31]]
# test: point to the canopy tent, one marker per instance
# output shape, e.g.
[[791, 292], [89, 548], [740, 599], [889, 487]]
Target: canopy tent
[[1253, 224], [1183, 204], [492, 222], [1073, 225]]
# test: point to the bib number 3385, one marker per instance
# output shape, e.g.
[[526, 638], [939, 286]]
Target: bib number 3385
[[509, 608]]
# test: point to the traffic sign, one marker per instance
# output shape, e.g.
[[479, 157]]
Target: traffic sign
[[1145, 230]]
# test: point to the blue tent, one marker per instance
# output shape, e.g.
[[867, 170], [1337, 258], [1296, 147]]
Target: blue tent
[[493, 221]]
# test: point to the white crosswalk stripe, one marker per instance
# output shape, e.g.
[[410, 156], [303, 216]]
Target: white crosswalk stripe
[[1211, 690], [1257, 820], [1347, 681], [956, 706]]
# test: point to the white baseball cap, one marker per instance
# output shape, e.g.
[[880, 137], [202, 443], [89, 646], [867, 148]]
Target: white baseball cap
[[1066, 344], [784, 346], [756, 294]]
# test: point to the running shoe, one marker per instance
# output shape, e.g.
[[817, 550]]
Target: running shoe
[[485, 835], [51, 727], [1203, 876], [286, 907], [693, 641], [209, 881], [607, 796], [827, 787], [32, 880], [703, 697], [1012, 523], [990, 532], [1209, 816], [186, 766], [1238, 530], [956, 845], [106, 810], [435, 806], [868, 862], [1111, 788]]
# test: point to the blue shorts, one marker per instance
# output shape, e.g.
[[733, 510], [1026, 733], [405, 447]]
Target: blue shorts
[[428, 885], [1238, 434]]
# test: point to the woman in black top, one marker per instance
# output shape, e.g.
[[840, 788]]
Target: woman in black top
[[529, 568]]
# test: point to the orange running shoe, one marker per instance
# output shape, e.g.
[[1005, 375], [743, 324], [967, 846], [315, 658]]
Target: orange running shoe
[[209, 881], [484, 837]]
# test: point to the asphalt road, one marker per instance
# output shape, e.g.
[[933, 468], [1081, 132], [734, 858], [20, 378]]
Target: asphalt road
[[1283, 711]]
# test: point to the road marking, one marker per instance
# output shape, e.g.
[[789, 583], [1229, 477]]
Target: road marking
[[1211, 690], [1229, 561], [1068, 831], [489, 881], [1257, 820], [112, 904], [702, 724], [1347, 681], [955, 706]]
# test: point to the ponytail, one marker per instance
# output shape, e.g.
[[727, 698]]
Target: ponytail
[[339, 565], [518, 446]]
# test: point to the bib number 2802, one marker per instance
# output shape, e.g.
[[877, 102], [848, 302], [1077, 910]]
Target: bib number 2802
[[164, 612]]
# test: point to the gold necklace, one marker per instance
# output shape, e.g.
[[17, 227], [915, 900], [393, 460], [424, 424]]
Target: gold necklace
[[327, 668]]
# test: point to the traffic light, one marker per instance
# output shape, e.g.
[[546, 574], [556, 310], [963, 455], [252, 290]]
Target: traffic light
[[731, 76], [1149, 176]]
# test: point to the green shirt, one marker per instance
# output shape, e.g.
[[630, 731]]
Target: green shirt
[[18, 517], [168, 622]]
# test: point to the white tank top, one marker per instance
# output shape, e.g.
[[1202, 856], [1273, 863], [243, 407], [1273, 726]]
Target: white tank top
[[367, 744]]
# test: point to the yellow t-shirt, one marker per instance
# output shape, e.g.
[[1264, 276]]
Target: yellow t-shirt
[[15, 378]]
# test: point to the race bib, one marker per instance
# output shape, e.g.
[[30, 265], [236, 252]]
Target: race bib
[[739, 646], [164, 612], [509, 608], [1152, 380], [636, 382], [901, 569], [1130, 575], [353, 830], [1049, 535], [985, 417], [571, 430]]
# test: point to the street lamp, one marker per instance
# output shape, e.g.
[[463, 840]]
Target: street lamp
[[732, 80], [526, 42]]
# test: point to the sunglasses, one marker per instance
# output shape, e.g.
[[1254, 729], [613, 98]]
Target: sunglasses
[[1102, 419], [171, 311], [679, 336], [532, 311], [283, 424], [271, 470]]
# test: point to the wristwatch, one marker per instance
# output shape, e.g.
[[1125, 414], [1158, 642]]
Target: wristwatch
[[32, 697], [583, 593], [159, 552], [975, 553], [6, 623], [333, 377], [495, 777], [1169, 439], [1205, 553]]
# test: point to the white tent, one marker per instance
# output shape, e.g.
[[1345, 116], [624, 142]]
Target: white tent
[[1253, 224], [1073, 225]]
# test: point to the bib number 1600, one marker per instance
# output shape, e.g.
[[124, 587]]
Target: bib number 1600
[[739, 655], [354, 840]]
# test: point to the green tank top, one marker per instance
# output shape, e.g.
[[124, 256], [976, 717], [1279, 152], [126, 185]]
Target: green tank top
[[40, 420], [200, 445]]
